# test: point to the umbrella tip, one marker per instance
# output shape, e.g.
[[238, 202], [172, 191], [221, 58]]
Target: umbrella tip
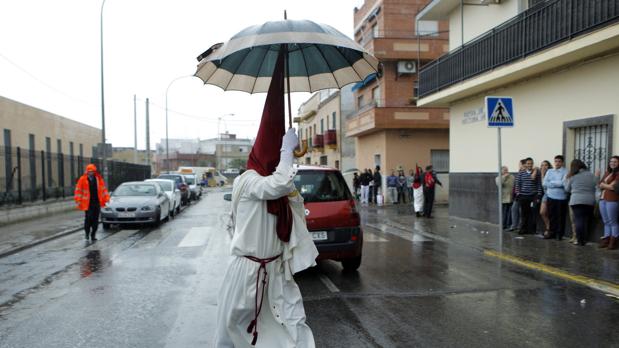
[[285, 15], [209, 51]]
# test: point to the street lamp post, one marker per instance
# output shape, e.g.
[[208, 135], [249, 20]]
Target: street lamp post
[[167, 147], [103, 146], [219, 119]]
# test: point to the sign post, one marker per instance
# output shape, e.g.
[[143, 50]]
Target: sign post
[[499, 113]]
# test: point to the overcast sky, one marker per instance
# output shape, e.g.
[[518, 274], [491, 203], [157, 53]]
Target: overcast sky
[[49, 59]]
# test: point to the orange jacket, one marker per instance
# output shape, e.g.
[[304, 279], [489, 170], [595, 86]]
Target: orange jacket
[[82, 192]]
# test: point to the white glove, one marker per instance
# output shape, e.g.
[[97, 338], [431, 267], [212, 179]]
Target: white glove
[[289, 142]]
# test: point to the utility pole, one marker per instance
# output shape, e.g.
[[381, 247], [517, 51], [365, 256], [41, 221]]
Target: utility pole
[[147, 135], [135, 130], [103, 145]]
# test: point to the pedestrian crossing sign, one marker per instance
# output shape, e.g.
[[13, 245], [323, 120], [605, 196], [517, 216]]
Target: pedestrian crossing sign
[[500, 111]]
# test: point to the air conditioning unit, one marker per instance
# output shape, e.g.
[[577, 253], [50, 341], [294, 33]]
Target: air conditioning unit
[[407, 67]]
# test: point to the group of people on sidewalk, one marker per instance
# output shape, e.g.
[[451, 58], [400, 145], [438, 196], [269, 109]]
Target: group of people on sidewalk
[[418, 188], [555, 193]]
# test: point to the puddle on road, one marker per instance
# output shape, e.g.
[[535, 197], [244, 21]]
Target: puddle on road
[[90, 263]]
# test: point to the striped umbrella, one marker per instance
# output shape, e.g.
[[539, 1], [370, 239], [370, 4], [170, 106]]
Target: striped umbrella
[[318, 57]]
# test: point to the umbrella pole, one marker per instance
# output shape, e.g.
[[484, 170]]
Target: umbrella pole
[[288, 89]]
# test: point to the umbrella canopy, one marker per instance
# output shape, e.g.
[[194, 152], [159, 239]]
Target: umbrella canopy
[[319, 57]]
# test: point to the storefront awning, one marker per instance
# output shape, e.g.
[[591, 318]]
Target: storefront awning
[[365, 82]]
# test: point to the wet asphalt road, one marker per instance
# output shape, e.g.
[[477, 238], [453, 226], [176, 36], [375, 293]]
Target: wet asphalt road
[[157, 287]]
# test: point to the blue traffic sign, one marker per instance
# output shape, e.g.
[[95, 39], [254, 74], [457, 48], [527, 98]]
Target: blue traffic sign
[[500, 111]]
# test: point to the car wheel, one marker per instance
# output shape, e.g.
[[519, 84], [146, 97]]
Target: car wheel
[[106, 226], [167, 217], [157, 222], [351, 264], [171, 213], [178, 209]]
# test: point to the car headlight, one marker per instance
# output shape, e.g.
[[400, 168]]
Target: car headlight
[[107, 209], [147, 208]]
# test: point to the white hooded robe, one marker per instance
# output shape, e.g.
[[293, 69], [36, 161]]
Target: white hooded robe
[[281, 322]]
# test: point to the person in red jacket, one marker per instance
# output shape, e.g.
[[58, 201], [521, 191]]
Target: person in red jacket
[[429, 183], [90, 195]]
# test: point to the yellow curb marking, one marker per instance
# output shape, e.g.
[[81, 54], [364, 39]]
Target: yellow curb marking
[[600, 285]]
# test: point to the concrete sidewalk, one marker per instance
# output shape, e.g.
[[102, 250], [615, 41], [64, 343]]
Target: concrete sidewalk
[[19, 236], [556, 258]]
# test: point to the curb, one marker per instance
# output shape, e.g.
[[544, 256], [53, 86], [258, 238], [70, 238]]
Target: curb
[[40, 241], [601, 285], [596, 284]]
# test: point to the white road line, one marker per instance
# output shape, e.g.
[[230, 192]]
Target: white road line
[[328, 283], [371, 237], [197, 236]]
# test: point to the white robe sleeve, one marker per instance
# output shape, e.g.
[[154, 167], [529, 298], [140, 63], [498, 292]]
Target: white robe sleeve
[[274, 186]]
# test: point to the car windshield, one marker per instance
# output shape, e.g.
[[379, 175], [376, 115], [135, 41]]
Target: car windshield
[[191, 180], [135, 190], [321, 186], [165, 185], [176, 178]]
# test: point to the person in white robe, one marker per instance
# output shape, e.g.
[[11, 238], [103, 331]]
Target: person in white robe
[[259, 303], [418, 192]]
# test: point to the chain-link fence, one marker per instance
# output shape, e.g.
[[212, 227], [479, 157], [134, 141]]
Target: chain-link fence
[[29, 176]]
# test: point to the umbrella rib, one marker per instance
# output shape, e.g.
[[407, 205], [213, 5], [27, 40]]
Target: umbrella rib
[[330, 69], [266, 51], [309, 82], [351, 64], [237, 69]]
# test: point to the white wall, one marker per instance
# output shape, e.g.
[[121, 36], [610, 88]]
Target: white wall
[[541, 105], [479, 19]]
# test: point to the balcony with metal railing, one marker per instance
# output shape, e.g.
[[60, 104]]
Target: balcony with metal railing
[[390, 44], [378, 115], [533, 31]]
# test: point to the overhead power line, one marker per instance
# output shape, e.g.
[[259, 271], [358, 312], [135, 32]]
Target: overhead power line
[[34, 77], [198, 117]]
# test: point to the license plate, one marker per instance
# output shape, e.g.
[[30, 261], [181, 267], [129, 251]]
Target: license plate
[[322, 235], [126, 215]]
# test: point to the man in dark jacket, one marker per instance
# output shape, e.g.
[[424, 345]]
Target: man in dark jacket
[[429, 188], [378, 183], [356, 185], [529, 193]]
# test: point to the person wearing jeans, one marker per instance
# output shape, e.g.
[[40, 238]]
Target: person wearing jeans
[[609, 204], [581, 184], [556, 199], [392, 187]]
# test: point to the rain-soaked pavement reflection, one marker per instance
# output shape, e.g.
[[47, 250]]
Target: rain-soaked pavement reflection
[[90, 263], [419, 285]]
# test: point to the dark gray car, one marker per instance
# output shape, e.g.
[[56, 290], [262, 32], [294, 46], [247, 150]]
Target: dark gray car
[[136, 202]]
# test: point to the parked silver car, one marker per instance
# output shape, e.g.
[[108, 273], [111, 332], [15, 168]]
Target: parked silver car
[[174, 194], [136, 202], [194, 189]]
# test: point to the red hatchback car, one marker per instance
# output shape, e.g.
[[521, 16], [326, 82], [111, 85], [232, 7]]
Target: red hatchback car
[[331, 215]]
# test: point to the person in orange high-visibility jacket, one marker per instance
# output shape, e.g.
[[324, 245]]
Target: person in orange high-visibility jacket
[[90, 195]]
